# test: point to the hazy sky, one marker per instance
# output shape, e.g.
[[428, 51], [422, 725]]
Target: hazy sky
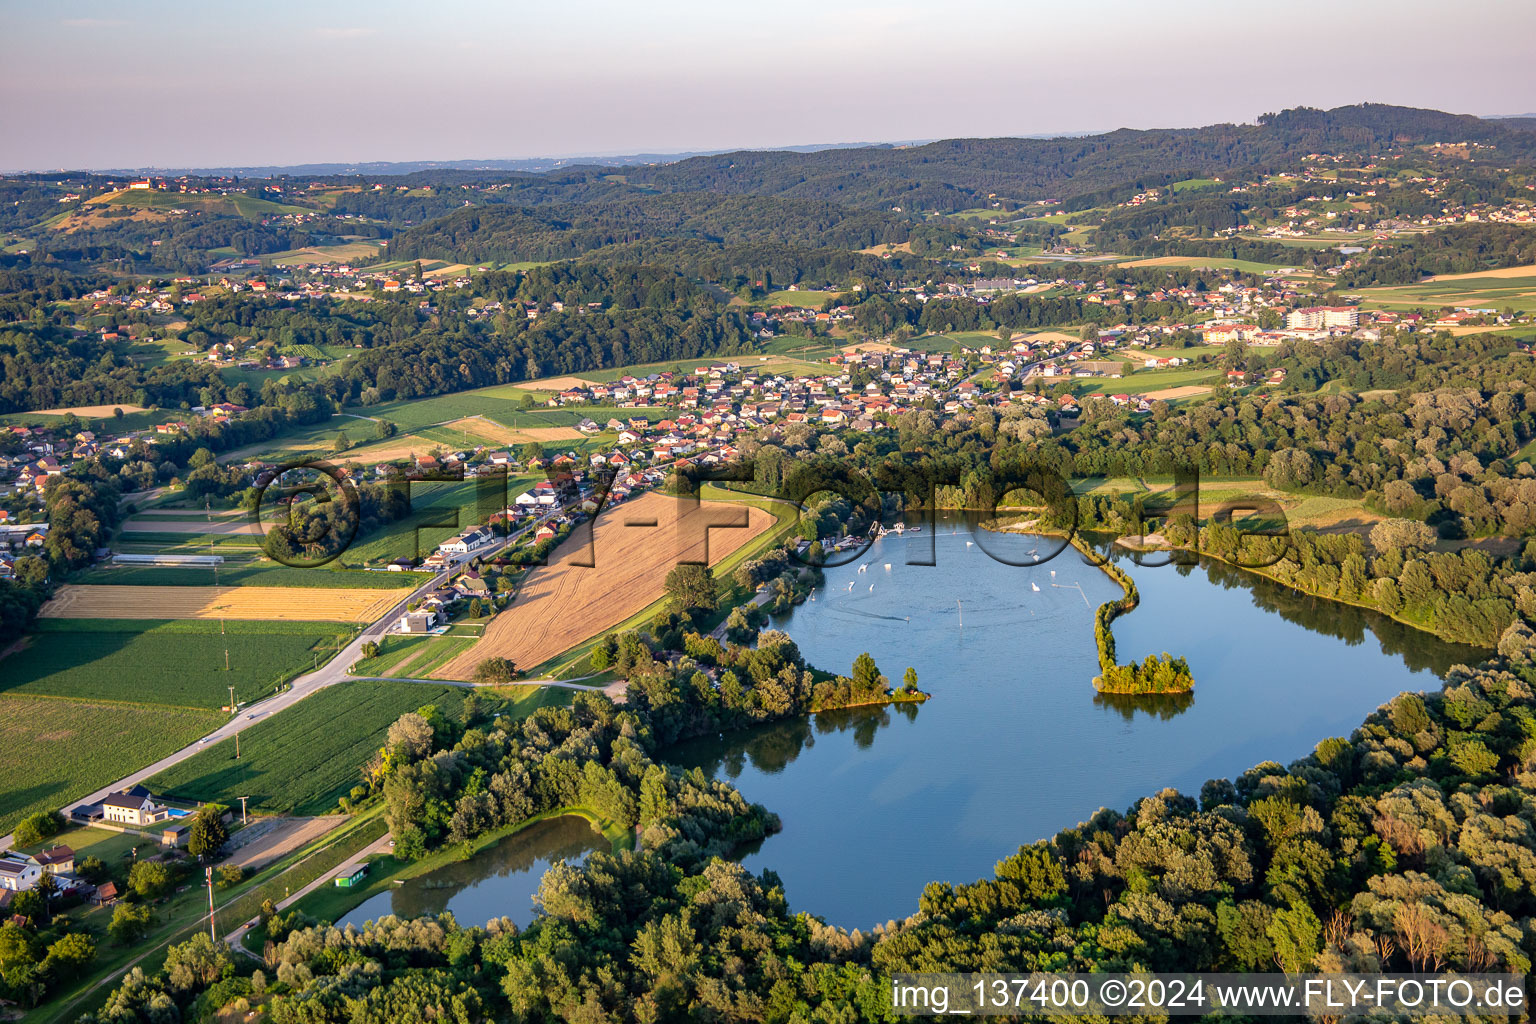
[[127, 84]]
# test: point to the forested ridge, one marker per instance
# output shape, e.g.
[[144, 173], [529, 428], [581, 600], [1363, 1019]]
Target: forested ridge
[[565, 231], [957, 174]]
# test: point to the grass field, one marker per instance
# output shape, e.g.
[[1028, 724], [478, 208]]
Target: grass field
[[260, 574], [1488, 291], [393, 650], [435, 656], [564, 603], [1213, 262], [178, 663], [1527, 454], [291, 604], [802, 298], [1143, 381], [346, 252], [303, 758], [53, 751], [240, 205], [412, 415], [107, 424]]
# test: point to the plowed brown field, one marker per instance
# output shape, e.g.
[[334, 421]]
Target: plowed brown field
[[567, 601]]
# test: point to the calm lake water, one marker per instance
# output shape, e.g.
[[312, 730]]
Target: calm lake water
[[497, 882], [1016, 744]]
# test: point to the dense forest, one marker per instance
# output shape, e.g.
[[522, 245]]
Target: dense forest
[[565, 231]]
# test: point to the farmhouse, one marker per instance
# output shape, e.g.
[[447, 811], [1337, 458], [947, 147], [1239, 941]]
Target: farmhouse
[[58, 861], [132, 809], [467, 541]]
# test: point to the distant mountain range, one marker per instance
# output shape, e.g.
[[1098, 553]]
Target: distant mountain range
[[957, 174], [530, 165]]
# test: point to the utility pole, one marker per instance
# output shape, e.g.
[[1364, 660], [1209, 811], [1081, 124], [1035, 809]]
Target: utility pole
[[237, 746], [242, 809], [212, 933], [231, 691]]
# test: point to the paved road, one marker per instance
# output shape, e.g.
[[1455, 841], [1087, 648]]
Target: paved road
[[329, 674], [380, 845]]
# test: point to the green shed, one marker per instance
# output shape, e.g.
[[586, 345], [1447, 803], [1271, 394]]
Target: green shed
[[356, 875]]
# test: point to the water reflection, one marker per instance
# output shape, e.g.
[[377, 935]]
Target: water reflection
[[770, 749], [1016, 744], [498, 881], [1161, 706]]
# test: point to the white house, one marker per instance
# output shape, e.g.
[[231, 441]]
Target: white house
[[18, 872], [126, 809], [467, 541]]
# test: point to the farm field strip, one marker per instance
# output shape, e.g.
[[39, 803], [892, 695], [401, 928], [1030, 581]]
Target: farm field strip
[[394, 649], [305, 757], [1175, 393], [298, 604], [58, 750], [562, 604], [178, 663], [251, 574], [200, 525], [430, 662]]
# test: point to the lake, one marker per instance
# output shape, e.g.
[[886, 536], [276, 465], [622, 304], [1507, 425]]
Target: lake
[[499, 881], [1015, 744]]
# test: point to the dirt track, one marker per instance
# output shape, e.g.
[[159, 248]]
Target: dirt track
[[564, 603]]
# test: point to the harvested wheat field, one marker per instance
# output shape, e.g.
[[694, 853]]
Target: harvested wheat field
[[564, 603], [88, 411], [550, 434], [1503, 272], [1049, 336], [1168, 394], [229, 526], [294, 604], [554, 384], [486, 428], [490, 430], [869, 346]]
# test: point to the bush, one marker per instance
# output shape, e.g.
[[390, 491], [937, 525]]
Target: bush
[[38, 827], [494, 670], [149, 879]]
